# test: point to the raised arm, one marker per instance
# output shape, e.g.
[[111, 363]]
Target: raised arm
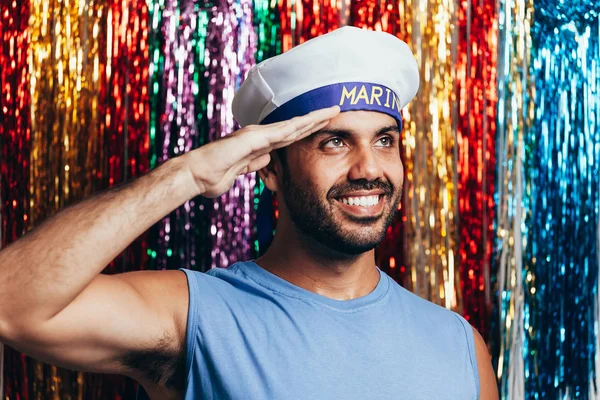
[[48, 268], [57, 307]]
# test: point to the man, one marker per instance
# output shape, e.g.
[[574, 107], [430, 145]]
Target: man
[[314, 318]]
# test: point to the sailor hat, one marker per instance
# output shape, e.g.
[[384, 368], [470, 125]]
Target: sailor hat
[[351, 67]]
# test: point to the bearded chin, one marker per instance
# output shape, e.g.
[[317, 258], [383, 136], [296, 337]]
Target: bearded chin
[[316, 219]]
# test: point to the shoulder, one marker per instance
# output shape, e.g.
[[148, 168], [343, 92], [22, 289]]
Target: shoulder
[[487, 378], [446, 325], [446, 332], [216, 284], [153, 287], [444, 329], [420, 309]]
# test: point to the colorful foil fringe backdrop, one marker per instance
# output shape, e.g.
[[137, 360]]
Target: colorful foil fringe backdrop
[[501, 146]]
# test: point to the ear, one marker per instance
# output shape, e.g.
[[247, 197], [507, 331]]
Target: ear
[[271, 174]]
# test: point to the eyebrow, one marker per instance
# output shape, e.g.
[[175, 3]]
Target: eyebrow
[[345, 133]]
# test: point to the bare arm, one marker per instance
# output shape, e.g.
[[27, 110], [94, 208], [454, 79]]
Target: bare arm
[[57, 307], [488, 384], [45, 271]]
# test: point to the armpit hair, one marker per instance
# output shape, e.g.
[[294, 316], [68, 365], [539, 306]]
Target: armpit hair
[[162, 365]]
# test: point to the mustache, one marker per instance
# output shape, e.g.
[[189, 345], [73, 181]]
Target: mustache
[[362, 184]]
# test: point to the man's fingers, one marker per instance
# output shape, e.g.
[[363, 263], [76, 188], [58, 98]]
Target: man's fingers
[[282, 134], [316, 117], [296, 124], [309, 131], [300, 135], [258, 163]]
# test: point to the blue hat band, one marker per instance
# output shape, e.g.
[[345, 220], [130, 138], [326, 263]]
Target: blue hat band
[[350, 96]]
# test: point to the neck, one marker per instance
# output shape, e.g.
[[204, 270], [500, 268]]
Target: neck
[[302, 261]]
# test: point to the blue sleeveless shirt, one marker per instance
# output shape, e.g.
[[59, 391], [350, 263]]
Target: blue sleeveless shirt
[[253, 335]]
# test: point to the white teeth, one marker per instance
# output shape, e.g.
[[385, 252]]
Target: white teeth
[[363, 201]]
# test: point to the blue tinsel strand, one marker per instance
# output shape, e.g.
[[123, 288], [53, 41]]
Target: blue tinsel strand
[[562, 175]]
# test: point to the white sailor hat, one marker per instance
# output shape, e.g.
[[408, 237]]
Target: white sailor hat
[[351, 67]]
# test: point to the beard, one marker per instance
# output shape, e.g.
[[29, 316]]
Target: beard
[[313, 213]]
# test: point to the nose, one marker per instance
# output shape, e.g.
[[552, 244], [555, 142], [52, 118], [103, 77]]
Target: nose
[[365, 165]]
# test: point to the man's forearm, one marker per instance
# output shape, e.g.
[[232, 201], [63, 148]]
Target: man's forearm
[[41, 273]]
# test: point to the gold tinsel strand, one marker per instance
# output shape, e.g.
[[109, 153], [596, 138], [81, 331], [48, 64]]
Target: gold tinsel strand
[[430, 201], [64, 86]]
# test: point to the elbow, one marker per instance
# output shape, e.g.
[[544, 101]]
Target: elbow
[[6, 331], [13, 332]]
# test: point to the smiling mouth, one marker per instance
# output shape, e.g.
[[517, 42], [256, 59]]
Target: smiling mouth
[[361, 201], [362, 208]]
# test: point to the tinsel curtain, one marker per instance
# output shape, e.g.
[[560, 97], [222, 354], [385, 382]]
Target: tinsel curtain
[[501, 213]]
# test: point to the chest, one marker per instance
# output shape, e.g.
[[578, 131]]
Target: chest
[[315, 354]]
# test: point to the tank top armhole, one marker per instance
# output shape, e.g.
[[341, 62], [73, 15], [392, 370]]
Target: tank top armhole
[[192, 323], [472, 352]]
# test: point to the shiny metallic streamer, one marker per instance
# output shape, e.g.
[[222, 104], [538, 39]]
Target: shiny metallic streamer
[[548, 199], [231, 46], [14, 150], [268, 29], [194, 73], [562, 198], [386, 16], [178, 124], [304, 19], [475, 123], [594, 385], [194, 52], [122, 139], [515, 91], [429, 145], [85, 100]]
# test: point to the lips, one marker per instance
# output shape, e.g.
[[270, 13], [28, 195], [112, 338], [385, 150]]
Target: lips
[[361, 205]]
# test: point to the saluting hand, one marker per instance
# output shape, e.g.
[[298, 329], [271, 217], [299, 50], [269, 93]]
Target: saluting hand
[[216, 165]]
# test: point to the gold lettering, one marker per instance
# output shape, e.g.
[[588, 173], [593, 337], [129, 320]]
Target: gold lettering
[[362, 94], [376, 96], [396, 103], [347, 94], [387, 98]]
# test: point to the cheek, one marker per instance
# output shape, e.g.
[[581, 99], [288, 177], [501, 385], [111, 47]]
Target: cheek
[[401, 172], [315, 179], [323, 179], [395, 173], [402, 175], [321, 172]]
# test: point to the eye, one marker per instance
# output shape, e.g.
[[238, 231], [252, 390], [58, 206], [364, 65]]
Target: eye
[[388, 141], [334, 141]]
